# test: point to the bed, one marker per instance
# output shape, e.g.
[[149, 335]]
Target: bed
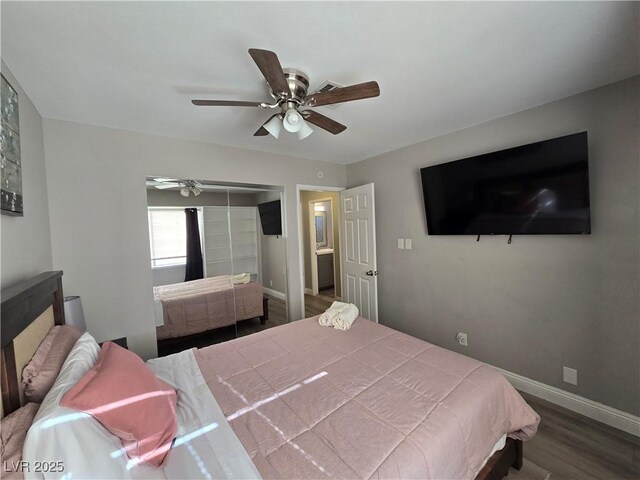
[[305, 401], [199, 306]]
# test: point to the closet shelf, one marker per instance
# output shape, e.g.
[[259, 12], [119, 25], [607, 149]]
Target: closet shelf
[[232, 230]]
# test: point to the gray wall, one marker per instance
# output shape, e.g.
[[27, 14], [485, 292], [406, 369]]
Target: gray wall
[[26, 241], [543, 301], [273, 253], [103, 244], [168, 275], [305, 198]]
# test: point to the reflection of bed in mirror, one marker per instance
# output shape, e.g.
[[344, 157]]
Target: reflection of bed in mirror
[[207, 304]]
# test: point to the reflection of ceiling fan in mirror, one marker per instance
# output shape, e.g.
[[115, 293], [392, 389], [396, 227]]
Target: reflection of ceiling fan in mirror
[[288, 87], [187, 186]]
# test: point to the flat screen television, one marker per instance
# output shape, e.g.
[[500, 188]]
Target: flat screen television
[[271, 217], [540, 188]]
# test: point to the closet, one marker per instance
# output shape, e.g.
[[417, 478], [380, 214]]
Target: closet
[[231, 243]]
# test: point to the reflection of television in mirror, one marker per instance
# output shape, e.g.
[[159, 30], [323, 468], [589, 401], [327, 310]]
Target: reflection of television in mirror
[[271, 217], [540, 188]]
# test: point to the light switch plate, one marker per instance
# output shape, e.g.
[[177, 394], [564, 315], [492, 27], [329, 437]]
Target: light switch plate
[[570, 375], [407, 244], [401, 243]]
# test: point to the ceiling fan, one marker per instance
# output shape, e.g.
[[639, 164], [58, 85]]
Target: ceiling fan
[[188, 186], [288, 87]]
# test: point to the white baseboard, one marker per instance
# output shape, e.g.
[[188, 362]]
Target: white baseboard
[[274, 293], [597, 411]]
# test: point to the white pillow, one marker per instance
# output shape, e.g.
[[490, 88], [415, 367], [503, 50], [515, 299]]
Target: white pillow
[[72, 444], [81, 358]]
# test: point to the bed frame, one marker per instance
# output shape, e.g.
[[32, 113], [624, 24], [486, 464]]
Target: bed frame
[[195, 337], [25, 302], [22, 304], [497, 466]]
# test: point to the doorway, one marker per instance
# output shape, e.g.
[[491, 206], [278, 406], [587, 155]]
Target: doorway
[[320, 222]]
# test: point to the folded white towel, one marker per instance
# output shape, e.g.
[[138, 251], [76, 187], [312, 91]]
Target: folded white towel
[[345, 317], [241, 278], [326, 319]]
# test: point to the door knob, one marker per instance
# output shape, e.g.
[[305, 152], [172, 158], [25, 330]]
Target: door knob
[[371, 273]]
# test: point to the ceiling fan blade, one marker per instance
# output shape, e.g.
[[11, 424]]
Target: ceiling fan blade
[[167, 185], [321, 121], [270, 67], [344, 94], [261, 132], [164, 179], [224, 103]]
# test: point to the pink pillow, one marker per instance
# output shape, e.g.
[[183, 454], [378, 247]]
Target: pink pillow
[[124, 395], [43, 369], [13, 431]]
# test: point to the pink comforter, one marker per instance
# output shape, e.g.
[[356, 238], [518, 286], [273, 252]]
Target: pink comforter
[[205, 304], [311, 402]]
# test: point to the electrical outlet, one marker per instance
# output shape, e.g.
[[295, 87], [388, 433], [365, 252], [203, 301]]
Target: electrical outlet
[[407, 244], [462, 339], [271, 283], [570, 375], [401, 243]]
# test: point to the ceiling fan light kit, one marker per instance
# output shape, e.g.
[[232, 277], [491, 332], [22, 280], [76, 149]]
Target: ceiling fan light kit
[[184, 191], [187, 186], [288, 87], [274, 126], [292, 121], [304, 131]]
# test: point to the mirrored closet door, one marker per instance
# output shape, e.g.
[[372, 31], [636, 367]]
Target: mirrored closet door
[[218, 257], [259, 250], [191, 263]]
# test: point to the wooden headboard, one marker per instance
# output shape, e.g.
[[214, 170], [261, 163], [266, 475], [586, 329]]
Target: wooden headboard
[[22, 305]]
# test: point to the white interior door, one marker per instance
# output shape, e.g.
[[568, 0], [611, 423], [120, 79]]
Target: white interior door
[[358, 254]]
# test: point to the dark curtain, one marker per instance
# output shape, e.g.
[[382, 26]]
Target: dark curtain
[[194, 251]]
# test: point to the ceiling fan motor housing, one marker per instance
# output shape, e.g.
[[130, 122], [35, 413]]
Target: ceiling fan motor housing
[[298, 82]]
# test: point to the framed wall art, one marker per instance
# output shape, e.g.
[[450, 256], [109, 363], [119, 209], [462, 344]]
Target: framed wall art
[[10, 164]]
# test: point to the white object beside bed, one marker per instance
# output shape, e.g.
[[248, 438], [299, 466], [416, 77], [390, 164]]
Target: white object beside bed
[[158, 312]]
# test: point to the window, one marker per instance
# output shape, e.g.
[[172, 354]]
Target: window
[[168, 234]]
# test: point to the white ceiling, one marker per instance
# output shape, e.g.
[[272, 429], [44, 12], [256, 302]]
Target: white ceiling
[[441, 66]]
